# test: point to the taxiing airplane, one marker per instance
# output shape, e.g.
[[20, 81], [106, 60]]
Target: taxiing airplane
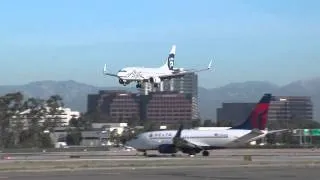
[[192, 141], [152, 75]]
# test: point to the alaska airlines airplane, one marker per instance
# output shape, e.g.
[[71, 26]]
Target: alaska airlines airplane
[[152, 75], [191, 141]]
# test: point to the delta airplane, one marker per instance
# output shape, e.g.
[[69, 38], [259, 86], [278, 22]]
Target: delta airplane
[[152, 75], [192, 141]]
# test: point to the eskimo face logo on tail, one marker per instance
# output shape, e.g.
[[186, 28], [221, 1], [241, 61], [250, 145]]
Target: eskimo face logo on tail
[[171, 61]]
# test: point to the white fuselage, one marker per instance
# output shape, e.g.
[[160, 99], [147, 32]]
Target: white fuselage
[[141, 73], [215, 139]]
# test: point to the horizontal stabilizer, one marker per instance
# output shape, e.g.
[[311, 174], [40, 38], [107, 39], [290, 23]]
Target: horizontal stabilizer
[[246, 138], [276, 131]]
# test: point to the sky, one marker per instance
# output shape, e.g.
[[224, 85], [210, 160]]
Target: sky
[[248, 40]]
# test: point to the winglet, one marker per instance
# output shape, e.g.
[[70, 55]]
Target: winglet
[[210, 64], [105, 69]]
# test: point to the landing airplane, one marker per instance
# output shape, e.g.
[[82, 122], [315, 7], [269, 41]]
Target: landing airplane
[[191, 141], [152, 75]]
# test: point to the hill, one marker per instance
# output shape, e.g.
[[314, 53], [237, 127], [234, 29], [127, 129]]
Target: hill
[[75, 93]]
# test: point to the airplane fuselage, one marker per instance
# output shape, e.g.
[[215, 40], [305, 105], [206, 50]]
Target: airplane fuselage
[[141, 73], [152, 75], [215, 139]]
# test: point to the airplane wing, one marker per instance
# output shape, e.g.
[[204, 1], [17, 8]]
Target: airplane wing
[[105, 72], [189, 143], [246, 138], [179, 73]]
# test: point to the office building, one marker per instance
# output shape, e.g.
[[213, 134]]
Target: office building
[[291, 107], [235, 113], [282, 108], [188, 84], [166, 107], [114, 106], [158, 107]]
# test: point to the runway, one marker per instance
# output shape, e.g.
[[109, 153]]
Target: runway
[[120, 154], [221, 164], [196, 173]]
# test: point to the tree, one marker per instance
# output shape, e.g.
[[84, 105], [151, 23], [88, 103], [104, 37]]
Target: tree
[[23, 121], [85, 120], [10, 107], [207, 123], [196, 123], [74, 136], [36, 112], [74, 122], [126, 135], [224, 123], [133, 121], [149, 126], [45, 140], [54, 104], [114, 137]]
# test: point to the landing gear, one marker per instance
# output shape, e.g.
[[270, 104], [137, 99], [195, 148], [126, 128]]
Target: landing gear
[[145, 153], [155, 85], [205, 153], [139, 84], [123, 82], [192, 153]]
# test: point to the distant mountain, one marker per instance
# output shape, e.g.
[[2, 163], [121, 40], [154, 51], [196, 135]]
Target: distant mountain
[[75, 93]]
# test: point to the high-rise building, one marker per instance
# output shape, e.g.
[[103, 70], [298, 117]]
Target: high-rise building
[[235, 113], [188, 84], [167, 108], [114, 106], [281, 108], [291, 107]]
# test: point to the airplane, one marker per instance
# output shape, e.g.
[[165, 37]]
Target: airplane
[[192, 141], [153, 75]]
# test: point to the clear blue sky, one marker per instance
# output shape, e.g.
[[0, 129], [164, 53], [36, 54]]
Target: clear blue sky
[[274, 40]]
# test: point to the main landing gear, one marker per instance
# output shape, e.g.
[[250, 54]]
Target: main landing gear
[[139, 85], [205, 153]]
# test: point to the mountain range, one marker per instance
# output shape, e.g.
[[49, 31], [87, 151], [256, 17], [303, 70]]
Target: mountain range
[[75, 94]]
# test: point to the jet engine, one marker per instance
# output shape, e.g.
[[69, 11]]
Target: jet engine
[[167, 149], [155, 80], [121, 81]]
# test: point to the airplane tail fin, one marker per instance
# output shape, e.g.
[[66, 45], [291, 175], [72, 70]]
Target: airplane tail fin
[[258, 116], [169, 64]]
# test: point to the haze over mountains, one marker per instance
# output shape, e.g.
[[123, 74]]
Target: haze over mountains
[[75, 93]]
